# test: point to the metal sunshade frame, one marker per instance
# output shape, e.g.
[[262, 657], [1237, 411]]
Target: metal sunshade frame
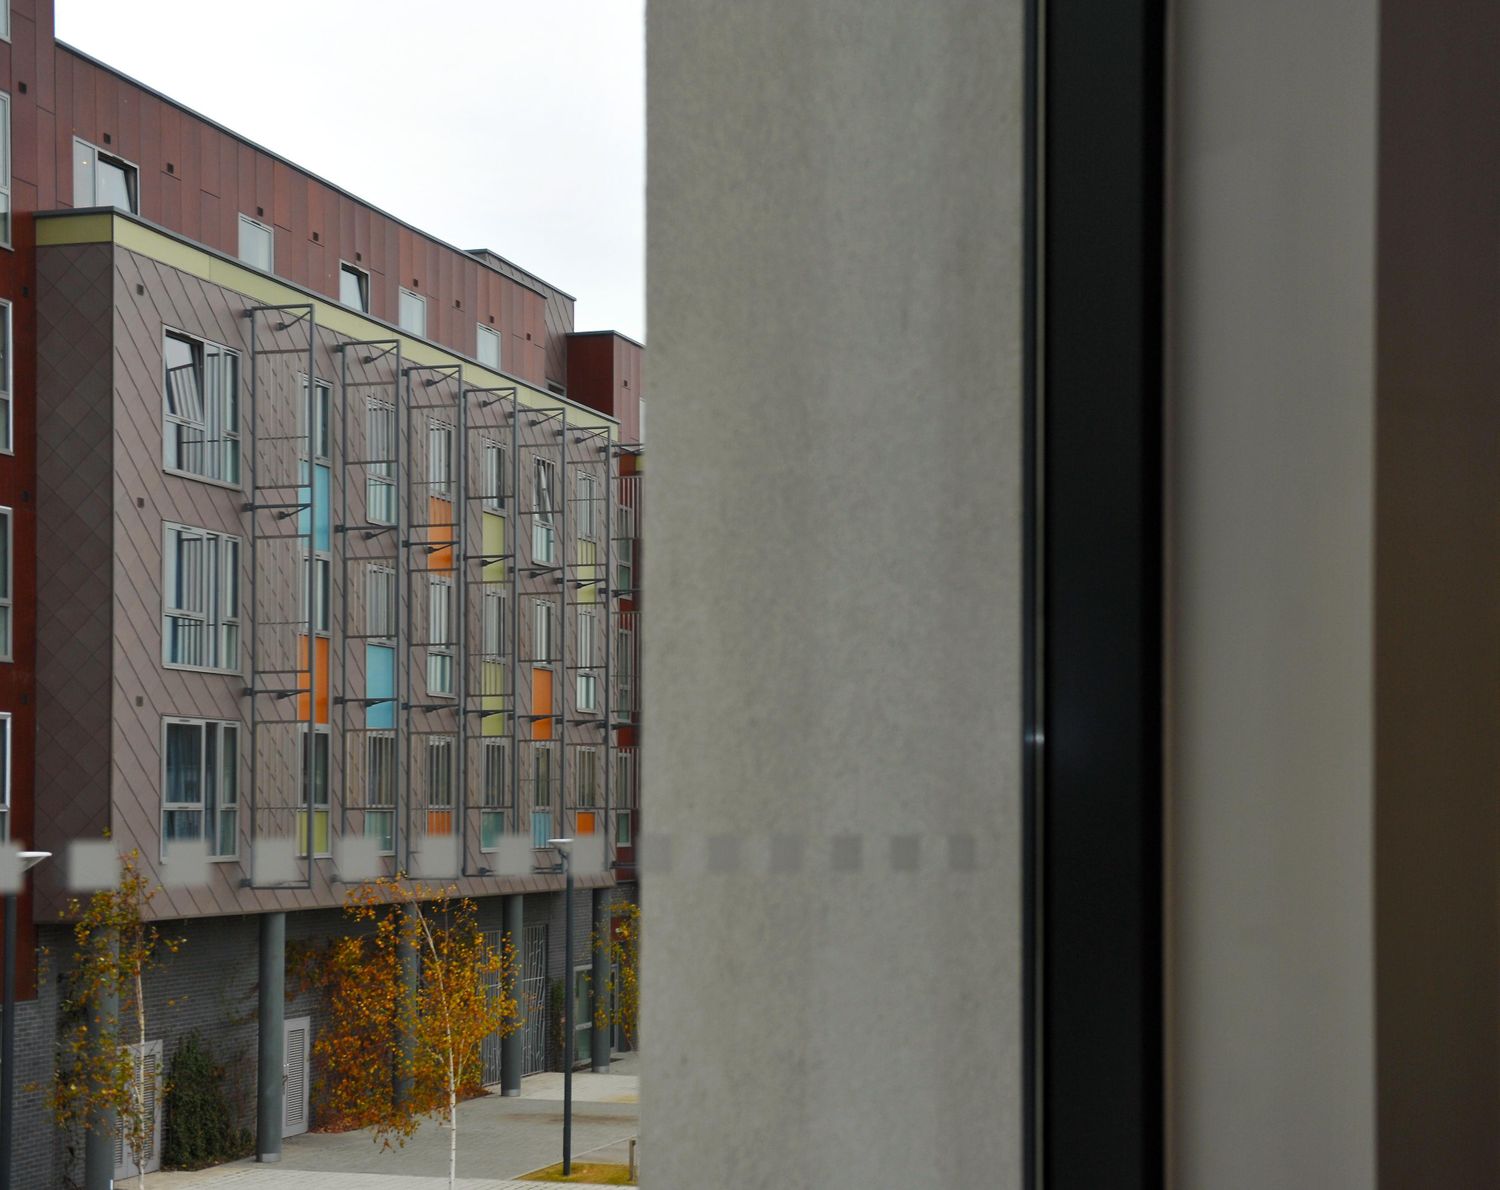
[[282, 319]]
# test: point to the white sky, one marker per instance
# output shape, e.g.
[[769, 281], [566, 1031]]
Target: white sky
[[516, 125]]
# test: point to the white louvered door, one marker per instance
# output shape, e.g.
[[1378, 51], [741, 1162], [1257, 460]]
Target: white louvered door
[[297, 1056], [125, 1166]]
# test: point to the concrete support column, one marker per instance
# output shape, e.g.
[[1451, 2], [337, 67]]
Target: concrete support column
[[511, 1045], [271, 1071], [599, 981], [99, 1141]]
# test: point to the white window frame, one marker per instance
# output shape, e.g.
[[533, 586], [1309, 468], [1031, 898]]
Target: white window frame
[[543, 632], [319, 438], [401, 295], [440, 636], [130, 168], [322, 808], [494, 614], [256, 225], [544, 511], [7, 378], [588, 515], [494, 476], [487, 334], [220, 599], [380, 476], [587, 696], [8, 215], [5, 31], [8, 584], [439, 459], [437, 744], [580, 768], [492, 803], [6, 742], [363, 277], [225, 419], [381, 601], [387, 808], [221, 727]]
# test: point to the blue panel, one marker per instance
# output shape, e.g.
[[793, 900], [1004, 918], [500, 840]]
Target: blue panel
[[323, 481], [380, 682]]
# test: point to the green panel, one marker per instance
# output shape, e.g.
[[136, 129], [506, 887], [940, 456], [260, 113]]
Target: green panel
[[493, 543], [493, 678]]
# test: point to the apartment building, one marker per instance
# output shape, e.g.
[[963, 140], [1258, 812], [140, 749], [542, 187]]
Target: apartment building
[[321, 562]]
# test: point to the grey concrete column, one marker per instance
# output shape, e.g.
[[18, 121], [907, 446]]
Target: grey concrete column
[[271, 1070], [835, 281], [411, 961], [99, 1141], [511, 1045], [599, 980]]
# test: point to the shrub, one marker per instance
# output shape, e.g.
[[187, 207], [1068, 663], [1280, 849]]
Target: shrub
[[199, 1127]]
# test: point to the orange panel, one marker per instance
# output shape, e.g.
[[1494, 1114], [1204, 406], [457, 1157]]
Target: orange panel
[[541, 703], [439, 822], [440, 517], [320, 687], [585, 823]]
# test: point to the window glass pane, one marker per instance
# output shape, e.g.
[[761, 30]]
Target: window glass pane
[[354, 288], [184, 764], [83, 174], [488, 352], [113, 185], [5, 554], [255, 244], [412, 313]]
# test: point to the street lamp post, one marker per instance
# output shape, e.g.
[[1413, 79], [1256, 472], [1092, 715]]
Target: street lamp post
[[29, 860], [562, 846]]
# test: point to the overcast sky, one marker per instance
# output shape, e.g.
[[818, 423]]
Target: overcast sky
[[489, 123]]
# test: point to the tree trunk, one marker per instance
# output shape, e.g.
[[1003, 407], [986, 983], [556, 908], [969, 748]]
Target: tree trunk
[[142, 1129], [452, 1131]]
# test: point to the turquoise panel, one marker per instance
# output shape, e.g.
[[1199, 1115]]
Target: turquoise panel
[[323, 483], [380, 682]]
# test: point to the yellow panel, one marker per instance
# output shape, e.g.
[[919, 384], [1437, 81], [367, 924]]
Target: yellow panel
[[492, 677], [588, 574], [208, 265], [493, 544]]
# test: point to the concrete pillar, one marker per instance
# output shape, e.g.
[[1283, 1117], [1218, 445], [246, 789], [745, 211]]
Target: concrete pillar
[[835, 284], [599, 980], [99, 1141], [511, 1045], [271, 1071]]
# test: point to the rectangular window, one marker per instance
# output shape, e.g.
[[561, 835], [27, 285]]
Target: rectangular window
[[411, 313], [494, 477], [541, 794], [380, 789], [623, 792], [256, 244], [624, 660], [201, 619], [440, 636], [322, 592], [5, 21], [588, 518], [440, 772], [622, 829], [5, 138], [5, 777], [492, 794], [544, 511], [488, 350], [7, 572], [380, 601], [315, 753], [380, 481], [588, 680], [103, 180], [543, 634], [200, 785], [201, 418], [588, 778], [440, 460], [7, 408], [322, 413], [494, 623], [354, 287]]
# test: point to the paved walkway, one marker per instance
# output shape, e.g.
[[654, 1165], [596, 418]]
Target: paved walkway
[[498, 1139]]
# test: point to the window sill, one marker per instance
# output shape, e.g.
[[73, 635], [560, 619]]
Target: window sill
[[209, 480], [202, 669]]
